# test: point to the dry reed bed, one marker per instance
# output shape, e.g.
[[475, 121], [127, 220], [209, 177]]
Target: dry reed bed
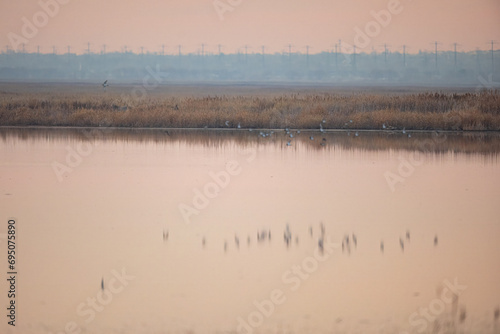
[[426, 111]]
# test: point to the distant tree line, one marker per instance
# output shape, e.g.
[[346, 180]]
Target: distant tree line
[[478, 68]]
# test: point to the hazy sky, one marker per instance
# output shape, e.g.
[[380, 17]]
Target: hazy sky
[[236, 23]]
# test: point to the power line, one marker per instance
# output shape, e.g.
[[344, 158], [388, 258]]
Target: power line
[[455, 54], [404, 54], [385, 52], [246, 52], [307, 54], [336, 57], [492, 57], [436, 43]]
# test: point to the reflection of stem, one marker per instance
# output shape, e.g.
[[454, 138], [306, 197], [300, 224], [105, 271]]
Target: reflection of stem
[[437, 326], [496, 315], [454, 310]]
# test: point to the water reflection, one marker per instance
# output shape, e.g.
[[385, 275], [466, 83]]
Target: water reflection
[[306, 238], [484, 143]]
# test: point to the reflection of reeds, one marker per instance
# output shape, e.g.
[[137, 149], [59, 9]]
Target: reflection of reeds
[[486, 144], [423, 111], [496, 316]]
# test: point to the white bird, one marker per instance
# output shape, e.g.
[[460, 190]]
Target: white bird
[[289, 143], [227, 123], [239, 126], [383, 126], [357, 134], [312, 138], [404, 131]]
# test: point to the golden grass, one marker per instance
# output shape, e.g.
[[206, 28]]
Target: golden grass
[[418, 111]]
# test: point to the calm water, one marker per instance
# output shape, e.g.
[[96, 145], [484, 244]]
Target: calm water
[[168, 224]]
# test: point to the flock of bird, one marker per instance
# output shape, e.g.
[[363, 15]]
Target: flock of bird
[[290, 135], [349, 241]]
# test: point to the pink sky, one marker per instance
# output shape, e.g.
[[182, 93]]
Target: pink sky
[[273, 23]]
